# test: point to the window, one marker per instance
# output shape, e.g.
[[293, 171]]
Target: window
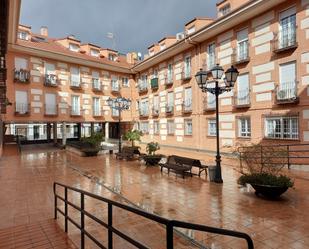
[[125, 82], [224, 10], [162, 46], [144, 109], [156, 104], [170, 127], [50, 104], [244, 127], [212, 127], [287, 87], [188, 99], [21, 63], [211, 98], [115, 84], [144, 127], [151, 52], [287, 28], [170, 73], [115, 112], [73, 47], [281, 127], [96, 106], [96, 80], [75, 105], [112, 57], [242, 45], [94, 52], [143, 82], [243, 97], [21, 105], [187, 68], [170, 102], [23, 35], [156, 127], [211, 51], [191, 30], [75, 76], [188, 126]]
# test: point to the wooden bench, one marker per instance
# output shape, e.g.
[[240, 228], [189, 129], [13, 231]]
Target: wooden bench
[[126, 153], [183, 165]]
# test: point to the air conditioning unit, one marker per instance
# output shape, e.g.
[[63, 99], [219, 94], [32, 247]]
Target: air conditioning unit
[[180, 36]]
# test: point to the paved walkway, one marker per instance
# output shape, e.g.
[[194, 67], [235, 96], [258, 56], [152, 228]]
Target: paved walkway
[[26, 197]]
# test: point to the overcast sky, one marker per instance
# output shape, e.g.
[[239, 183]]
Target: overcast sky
[[136, 24]]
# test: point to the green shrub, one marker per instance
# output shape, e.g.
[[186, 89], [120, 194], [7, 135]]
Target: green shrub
[[266, 179], [94, 140], [133, 135], [152, 147]]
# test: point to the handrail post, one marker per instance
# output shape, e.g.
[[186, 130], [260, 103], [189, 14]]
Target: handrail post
[[82, 221], [169, 236], [110, 224], [288, 148], [66, 209], [55, 203]]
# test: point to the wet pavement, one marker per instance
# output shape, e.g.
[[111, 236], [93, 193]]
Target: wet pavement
[[26, 197]]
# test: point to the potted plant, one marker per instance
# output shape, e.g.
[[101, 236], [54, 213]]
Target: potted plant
[[152, 158], [262, 170], [92, 145], [132, 136]]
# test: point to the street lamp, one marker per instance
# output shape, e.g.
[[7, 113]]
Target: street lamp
[[201, 78], [119, 104]]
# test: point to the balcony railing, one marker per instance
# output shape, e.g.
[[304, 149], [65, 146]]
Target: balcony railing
[[50, 80], [96, 112], [187, 106], [50, 110], [96, 85], [76, 111], [22, 108], [143, 112], [168, 80], [286, 92], [169, 109], [186, 75], [285, 40], [115, 113], [75, 85], [242, 98], [22, 76], [209, 104], [155, 111], [142, 87], [154, 83], [115, 88], [241, 53]]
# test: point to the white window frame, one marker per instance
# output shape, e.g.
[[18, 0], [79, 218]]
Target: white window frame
[[156, 129], [170, 127], [244, 127], [75, 106], [94, 52], [211, 55], [96, 106], [188, 130], [211, 127], [187, 66], [75, 78], [170, 72], [274, 127], [73, 47], [125, 82]]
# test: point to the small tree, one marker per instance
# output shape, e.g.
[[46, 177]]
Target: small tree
[[132, 136], [94, 140], [152, 147]]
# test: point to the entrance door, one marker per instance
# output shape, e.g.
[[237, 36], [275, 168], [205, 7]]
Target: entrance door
[[36, 132]]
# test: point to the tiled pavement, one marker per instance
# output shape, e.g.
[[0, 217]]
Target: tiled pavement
[[26, 198]]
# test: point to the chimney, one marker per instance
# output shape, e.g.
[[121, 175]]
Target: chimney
[[44, 31]]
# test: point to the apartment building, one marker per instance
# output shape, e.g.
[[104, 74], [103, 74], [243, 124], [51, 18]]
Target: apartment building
[[57, 83], [268, 43]]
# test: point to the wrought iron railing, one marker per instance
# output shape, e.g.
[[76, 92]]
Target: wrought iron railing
[[143, 112], [169, 109], [241, 53], [21, 75], [96, 84], [187, 105], [22, 108], [209, 103], [169, 225], [142, 87], [50, 80], [155, 111], [51, 109], [243, 98], [285, 39], [287, 91]]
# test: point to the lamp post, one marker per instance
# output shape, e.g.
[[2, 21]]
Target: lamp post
[[202, 80], [119, 104]]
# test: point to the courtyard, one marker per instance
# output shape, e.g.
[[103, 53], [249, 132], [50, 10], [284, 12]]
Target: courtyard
[[27, 199]]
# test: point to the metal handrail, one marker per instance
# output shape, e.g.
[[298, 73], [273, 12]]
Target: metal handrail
[[290, 150], [169, 224]]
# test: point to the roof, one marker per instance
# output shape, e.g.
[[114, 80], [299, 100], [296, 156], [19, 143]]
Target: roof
[[167, 37], [198, 18], [50, 45]]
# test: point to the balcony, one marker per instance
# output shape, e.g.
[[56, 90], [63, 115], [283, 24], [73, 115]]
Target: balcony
[[76, 112], [21, 76], [168, 81], [241, 53], [50, 110], [242, 99], [286, 93], [142, 87], [115, 113], [50, 80], [285, 40], [186, 75], [187, 106], [96, 85], [115, 88], [155, 111], [76, 85], [154, 83], [209, 104], [22, 109], [143, 113], [169, 109]]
